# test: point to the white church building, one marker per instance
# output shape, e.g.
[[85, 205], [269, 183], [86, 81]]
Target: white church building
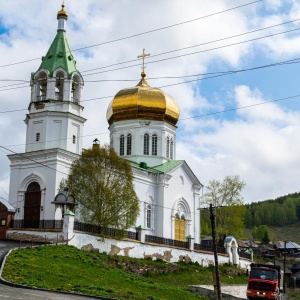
[[142, 123]]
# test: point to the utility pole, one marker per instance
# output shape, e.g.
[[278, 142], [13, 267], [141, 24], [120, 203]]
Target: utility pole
[[213, 229], [284, 261]]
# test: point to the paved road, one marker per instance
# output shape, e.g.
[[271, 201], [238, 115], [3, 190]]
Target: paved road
[[11, 293], [15, 293]]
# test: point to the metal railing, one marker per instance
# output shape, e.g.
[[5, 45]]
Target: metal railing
[[38, 224], [165, 241], [112, 232], [58, 97], [204, 247], [98, 229], [41, 98]]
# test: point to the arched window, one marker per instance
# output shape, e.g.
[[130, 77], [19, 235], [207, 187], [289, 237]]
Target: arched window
[[171, 148], [122, 140], [33, 186], [41, 86], [59, 86], [75, 89], [146, 144], [129, 143], [149, 216], [168, 148], [154, 144]]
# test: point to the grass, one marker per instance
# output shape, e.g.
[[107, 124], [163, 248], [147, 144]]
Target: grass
[[66, 268]]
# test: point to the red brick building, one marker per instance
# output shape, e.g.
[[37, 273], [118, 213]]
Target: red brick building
[[7, 213]]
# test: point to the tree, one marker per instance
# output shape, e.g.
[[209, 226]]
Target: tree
[[254, 233], [263, 234], [102, 183], [230, 211]]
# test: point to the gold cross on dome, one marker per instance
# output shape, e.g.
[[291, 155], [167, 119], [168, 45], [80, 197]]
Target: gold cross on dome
[[143, 56]]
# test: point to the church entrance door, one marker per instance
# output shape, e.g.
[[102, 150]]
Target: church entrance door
[[32, 206], [180, 229]]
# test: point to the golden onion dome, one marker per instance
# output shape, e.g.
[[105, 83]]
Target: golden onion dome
[[143, 102], [62, 12]]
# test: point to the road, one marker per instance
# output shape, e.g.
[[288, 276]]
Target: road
[[16, 293], [12, 293]]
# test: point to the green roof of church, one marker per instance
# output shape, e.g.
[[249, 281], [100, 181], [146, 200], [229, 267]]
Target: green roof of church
[[163, 168], [59, 55], [168, 166]]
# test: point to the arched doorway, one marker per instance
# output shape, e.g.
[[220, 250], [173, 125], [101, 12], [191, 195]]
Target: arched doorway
[[180, 225], [32, 206]]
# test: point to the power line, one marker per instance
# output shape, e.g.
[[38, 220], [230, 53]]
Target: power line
[[238, 108], [143, 33], [181, 119], [193, 53], [219, 74], [37, 162], [176, 50], [189, 47]]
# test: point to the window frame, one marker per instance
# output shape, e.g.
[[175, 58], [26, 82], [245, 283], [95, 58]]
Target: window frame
[[146, 143], [154, 144], [122, 145], [129, 144]]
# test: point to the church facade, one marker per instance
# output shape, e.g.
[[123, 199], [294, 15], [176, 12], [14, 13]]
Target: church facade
[[142, 123]]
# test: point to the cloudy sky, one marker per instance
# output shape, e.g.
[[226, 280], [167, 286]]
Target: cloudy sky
[[232, 66]]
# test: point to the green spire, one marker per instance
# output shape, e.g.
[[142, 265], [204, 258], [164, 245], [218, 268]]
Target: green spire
[[59, 55]]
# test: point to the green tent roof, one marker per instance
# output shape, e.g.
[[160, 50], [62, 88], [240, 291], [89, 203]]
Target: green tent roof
[[59, 55]]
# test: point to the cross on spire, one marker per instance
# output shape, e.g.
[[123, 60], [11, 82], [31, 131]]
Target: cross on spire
[[143, 56]]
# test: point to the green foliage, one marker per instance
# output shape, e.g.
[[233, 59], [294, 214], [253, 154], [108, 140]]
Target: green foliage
[[254, 232], [279, 212], [70, 269], [263, 234], [226, 197], [102, 183]]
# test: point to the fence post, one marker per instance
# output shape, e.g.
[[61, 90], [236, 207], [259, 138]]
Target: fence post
[[141, 233], [68, 225], [190, 242]]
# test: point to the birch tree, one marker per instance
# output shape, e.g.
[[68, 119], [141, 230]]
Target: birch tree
[[225, 196]]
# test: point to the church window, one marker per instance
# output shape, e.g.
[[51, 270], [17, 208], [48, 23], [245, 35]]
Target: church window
[[122, 141], [74, 139], [154, 144], [171, 148], [146, 144], [37, 137], [149, 216], [33, 186], [129, 144], [168, 148]]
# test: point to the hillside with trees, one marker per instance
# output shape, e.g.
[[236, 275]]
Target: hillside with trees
[[268, 216], [280, 212]]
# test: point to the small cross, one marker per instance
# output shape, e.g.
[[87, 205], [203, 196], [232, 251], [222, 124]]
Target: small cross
[[143, 56]]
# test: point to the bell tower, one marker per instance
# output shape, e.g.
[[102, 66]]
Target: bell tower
[[54, 119], [54, 131]]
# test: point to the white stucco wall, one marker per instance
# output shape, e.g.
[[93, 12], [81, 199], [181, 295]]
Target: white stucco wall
[[130, 248], [170, 193], [144, 250], [24, 171]]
